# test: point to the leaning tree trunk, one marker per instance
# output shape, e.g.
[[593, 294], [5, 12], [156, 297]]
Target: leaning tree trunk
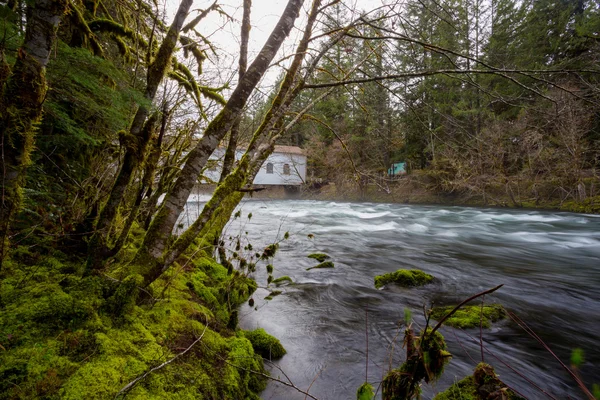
[[21, 106], [227, 196], [160, 230], [136, 141]]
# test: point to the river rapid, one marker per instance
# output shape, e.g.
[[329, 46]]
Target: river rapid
[[547, 261]]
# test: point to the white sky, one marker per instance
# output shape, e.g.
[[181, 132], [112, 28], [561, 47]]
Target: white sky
[[264, 15]]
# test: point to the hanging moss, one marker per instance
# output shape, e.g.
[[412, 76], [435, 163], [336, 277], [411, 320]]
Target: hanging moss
[[426, 357], [264, 344], [326, 264], [470, 316], [404, 277], [320, 257]]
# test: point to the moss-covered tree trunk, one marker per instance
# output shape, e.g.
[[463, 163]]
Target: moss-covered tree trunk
[[136, 140], [21, 106], [160, 230]]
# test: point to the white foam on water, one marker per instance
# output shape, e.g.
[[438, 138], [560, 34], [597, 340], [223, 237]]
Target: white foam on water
[[416, 228]]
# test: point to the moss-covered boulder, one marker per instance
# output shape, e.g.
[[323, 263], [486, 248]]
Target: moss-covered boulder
[[320, 257], [326, 264], [404, 277], [470, 316], [264, 344], [482, 385]]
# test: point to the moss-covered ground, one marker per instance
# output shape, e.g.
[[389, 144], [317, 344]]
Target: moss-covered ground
[[65, 336], [470, 316], [404, 277]]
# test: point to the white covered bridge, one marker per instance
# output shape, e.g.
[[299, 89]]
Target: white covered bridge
[[286, 166]]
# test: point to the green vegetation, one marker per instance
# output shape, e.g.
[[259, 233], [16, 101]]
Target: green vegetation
[[281, 280], [273, 294], [470, 316], [365, 392], [404, 277], [66, 336], [320, 257], [326, 264], [426, 358], [264, 344], [481, 385]]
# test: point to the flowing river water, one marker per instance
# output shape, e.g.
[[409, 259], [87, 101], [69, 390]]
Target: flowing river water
[[549, 263]]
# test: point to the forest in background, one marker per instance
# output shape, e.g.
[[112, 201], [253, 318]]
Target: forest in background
[[515, 139], [110, 112]]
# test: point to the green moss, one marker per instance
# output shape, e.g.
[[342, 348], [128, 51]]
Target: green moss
[[470, 316], [404, 277], [483, 384], [281, 280], [326, 264], [426, 358], [264, 344], [273, 294], [465, 389], [64, 336], [320, 257], [365, 392]]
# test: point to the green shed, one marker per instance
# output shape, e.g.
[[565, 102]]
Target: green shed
[[396, 169]]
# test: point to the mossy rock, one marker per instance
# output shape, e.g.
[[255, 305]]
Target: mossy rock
[[281, 280], [365, 392], [404, 277], [326, 264], [483, 384], [265, 345], [470, 316], [273, 294], [320, 257]]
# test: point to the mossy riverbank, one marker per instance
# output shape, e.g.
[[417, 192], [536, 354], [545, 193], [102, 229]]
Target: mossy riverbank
[[65, 336]]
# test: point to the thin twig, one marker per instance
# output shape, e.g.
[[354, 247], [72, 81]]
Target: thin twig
[[531, 333]]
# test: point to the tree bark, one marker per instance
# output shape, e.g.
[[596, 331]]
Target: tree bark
[[234, 134], [21, 107], [227, 195], [136, 140], [160, 230]]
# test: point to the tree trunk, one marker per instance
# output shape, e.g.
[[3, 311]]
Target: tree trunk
[[136, 141], [229, 158], [21, 107], [174, 203]]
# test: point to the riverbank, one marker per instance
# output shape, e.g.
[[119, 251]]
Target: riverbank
[[415, 190], [418, 190], [68, 336]]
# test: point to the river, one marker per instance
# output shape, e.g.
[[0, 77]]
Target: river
[[547, 261]]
